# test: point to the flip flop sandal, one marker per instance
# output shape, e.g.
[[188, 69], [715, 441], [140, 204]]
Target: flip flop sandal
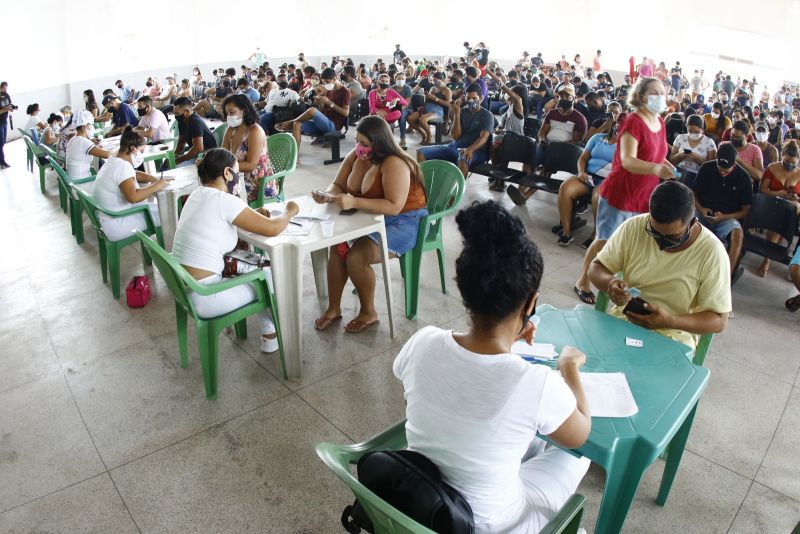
[[516, 196], [356, 327], [323, 323], [793, 304], [587, 297]]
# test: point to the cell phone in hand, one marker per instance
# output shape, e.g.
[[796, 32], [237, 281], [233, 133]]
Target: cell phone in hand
[[348, 212], [687, 151], [636, 305], [324, 194]]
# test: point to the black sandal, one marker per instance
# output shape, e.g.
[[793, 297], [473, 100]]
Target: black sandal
[[587, 297], [793, 304], [517, 197]]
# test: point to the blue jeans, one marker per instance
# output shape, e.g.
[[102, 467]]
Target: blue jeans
[[317, 125], [267, 120], [499, 107], [3, 133], [401, 231], [403, 118], [449, 152], [609, 219]]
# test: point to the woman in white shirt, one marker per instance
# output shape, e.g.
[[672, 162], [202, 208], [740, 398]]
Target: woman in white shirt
[[692, 149], [33, 119], [50, 134], [81, 150], [118, 188], [207, 231], [474, 408]]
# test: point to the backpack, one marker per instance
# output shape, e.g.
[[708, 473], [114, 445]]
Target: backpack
[[412, 484]]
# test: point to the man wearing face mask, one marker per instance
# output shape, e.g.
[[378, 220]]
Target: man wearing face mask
[[243, 87], [472, 129], [126, 92], [281, 97], [769, 153], [723, 194], [153, 124], [329, 114], [679, 266], [540, 95], [121, 115], [777, 130], [747, 154], [192, 131]]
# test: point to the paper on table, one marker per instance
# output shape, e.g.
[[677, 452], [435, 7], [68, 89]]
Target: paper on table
[[309, 210], [544, 351], [609, 394], [303, 229]]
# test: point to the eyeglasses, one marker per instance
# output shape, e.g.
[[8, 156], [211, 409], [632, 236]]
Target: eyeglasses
[[667, 242]]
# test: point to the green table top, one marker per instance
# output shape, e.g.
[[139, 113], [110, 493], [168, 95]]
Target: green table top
[[663, 380]]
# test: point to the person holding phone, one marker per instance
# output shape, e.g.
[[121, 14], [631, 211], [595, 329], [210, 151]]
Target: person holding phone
[[377, 177], [692, 149], [678, 265]]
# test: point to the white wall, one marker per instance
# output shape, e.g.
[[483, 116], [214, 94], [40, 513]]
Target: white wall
[[54, 49]]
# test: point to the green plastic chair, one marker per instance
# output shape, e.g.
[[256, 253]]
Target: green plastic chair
[[389, 520], [219, 133], [444, 187], [68, 186], [29, 156], [282, 150], [37, 152], [110, 250], [180, 283]]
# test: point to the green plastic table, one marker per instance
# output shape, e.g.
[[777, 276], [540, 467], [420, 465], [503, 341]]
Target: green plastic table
[[666, 387]]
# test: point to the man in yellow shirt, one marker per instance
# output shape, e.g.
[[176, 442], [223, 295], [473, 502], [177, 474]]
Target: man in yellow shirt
[[680, 268]]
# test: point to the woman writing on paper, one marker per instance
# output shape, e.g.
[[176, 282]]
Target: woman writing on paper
[[377, 177], [207, 231], [474, 408]]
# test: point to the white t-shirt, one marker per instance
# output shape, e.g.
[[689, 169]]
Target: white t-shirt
[[560, 132], [79, 161], [280, 98], [106, 187], [33, 122], [474, 416], [682, 142], [157, 120], [205, 230]]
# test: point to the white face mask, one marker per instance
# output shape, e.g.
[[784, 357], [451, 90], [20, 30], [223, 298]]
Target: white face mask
[[656, 103], [329, 86], [56, 128], [234, 121], [695, 136], [401, 83], [772, 121], [137, 158], [762, 137], [714, 115]]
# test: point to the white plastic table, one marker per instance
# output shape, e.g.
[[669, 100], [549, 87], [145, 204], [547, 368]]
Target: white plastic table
[[185, 180], [286, 254], [151, 152]]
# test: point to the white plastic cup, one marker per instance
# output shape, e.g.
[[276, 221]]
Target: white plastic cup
[[327, 227]]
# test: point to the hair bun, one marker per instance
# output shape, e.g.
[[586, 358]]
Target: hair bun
[[489, 227]]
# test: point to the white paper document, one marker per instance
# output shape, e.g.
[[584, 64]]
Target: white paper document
[[541, 351], [609, 394], [309, 209], [298, 227]]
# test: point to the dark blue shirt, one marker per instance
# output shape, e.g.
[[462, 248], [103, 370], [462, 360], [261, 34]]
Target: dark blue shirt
[[124, 115]]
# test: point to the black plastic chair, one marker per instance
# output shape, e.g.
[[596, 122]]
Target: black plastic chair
[[516, 148], [559, 157], [532, 126], [776, 215], [335, 139]]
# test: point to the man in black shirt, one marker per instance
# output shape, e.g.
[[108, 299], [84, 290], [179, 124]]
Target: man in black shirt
[[723, 193], [192, 130]]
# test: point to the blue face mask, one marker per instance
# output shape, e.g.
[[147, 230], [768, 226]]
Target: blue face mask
[[472, 105]]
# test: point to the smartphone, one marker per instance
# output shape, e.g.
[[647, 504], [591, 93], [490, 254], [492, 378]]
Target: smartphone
[[636, 305], [324, 194], [687, 151], [348, 212]]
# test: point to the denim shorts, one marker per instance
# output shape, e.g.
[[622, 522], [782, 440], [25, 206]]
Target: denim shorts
[[401, 231], [795, 258], [449, 152], [610, 218], [721, 229], [430, 107], [319, 124]]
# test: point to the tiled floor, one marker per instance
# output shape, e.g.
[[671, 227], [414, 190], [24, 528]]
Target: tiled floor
[[102, 431]]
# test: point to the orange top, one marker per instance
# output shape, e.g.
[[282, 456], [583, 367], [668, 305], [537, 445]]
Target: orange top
[[415, 200], [775, 185]]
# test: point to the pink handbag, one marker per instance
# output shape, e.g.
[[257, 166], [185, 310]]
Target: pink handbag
[[138, 291]]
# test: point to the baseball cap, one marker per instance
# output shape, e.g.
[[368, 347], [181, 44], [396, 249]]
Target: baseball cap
[[108, 98], [726, 156], [568, 89]]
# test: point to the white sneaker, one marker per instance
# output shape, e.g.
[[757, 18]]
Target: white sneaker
[[269, 344]]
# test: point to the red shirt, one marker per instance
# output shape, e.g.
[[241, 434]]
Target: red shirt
[[624, 190]]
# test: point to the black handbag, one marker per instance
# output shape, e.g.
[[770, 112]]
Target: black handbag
[[412, 484]]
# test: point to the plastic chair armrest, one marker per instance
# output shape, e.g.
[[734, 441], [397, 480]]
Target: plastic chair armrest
[[84, 180], [210, 289], [565, 515]]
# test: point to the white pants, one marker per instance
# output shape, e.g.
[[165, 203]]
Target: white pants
[[226, 301], [116, 229]]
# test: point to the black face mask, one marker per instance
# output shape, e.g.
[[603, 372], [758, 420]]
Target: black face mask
[[141, 111], [383, 85], [789, 166], [666, 242], [738, 143], [565, 104]]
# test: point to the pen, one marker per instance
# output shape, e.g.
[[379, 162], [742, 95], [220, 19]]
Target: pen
[[532, 359], [295, 223]]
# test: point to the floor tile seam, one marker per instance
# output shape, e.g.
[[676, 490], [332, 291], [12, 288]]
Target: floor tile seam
[[204, 429], [725, 467], [342, 371], [774, 433], [83, 421], [125, 504], [741, 504], [39, 498], [348, 436]]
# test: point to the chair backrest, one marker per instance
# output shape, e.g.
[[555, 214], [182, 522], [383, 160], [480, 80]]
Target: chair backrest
[[282, 149], [173, 273], [33, 148], [35, 136], [219, 133], [90, 207], [64, 178], [444, 187], [51, 154], [562, 157], [519, 148], [532, 126], [775, 214]]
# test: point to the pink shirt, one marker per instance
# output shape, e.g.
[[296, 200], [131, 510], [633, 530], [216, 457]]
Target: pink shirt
[[596, 64], [375, 103], [749, 154]]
